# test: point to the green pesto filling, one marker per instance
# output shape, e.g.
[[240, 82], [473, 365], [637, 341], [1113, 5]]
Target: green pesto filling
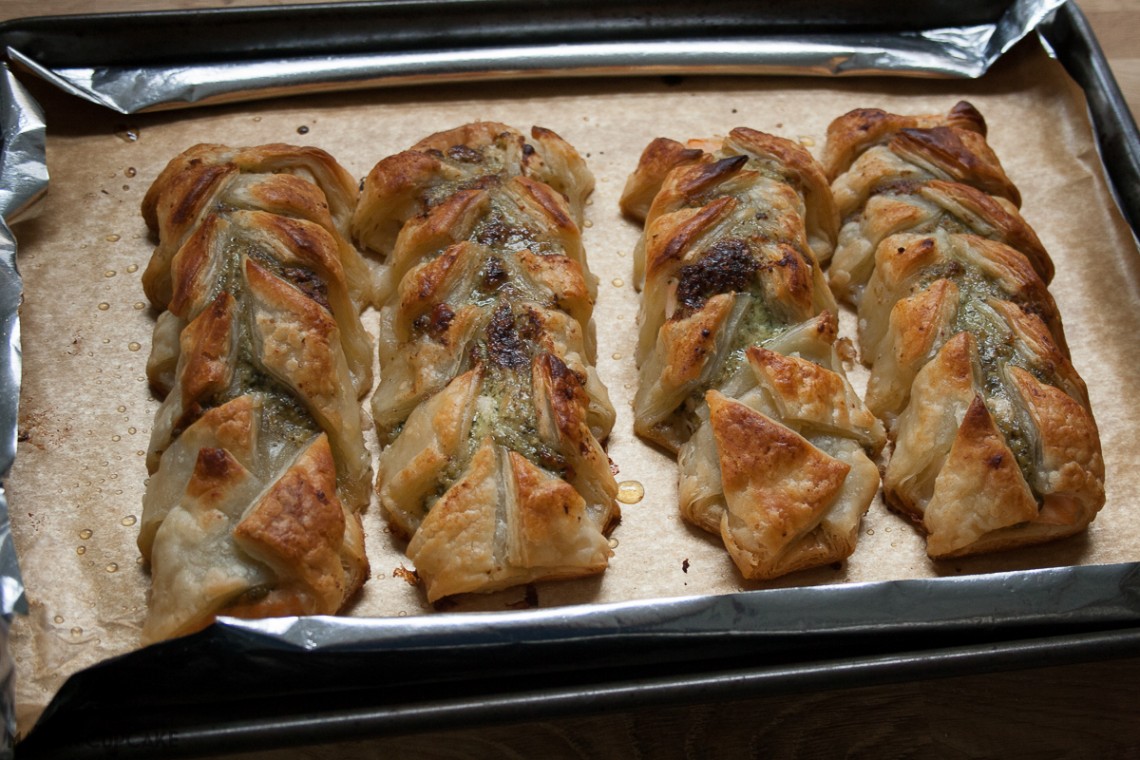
[[996, 351], [285, 418], [756, 325], [505, 412]]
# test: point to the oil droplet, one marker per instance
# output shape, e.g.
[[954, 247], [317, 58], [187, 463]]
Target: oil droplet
[[76, 631], [81, 550], [588, 223], [112, 567], [807, 142], [401, 613], [57, 619], [116, 438], [618, 282], [139, 306], [621, 254], [630, 492], [302, 130], [870, 531], [110, 273], [121, 407], [112, 238], [132, 268], [132, 430], [127, 134], [104, 306], [134, 346], [613, 543], [615, 356], [131, 171], [129, 520], [257, 118], [86, 533], [140, 453]]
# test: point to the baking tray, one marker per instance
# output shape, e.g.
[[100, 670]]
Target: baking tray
[[706, 648]]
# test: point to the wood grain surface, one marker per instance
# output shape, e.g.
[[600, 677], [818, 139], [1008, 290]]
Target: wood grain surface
[[1072, 711]]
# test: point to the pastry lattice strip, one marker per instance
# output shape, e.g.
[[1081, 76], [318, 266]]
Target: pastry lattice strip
[[995, 445], [257, 458], [489, 406], [739, 371]]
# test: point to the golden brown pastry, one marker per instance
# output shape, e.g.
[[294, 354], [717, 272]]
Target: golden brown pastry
[[739, 371], [257, 458], [995, 445], [489, 407]]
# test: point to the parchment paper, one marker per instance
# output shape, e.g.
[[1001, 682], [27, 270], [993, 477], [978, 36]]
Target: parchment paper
[[86, 410]]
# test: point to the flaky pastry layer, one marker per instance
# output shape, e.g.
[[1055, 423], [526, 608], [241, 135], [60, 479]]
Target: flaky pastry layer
[[489, 408], [257, 458], [739, 371], [995, 445]]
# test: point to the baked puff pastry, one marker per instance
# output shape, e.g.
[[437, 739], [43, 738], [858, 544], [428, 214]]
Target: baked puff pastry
[[257, 460], [995, 445], [489, 408], [739, 370]]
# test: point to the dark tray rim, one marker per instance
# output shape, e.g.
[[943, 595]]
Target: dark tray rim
[[1048, 641]]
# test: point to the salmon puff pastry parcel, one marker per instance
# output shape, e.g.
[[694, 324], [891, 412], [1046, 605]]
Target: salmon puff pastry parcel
[[489, 408], [257, 459], [740, 374], [994, 442]]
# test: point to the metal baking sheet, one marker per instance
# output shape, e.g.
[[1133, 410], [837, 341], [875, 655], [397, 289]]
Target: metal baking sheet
[[339, 679], [868, 629]]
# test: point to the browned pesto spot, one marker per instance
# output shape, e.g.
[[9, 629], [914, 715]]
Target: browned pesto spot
[[504, 346], [436, 322], [494, 273], [307, 281], [493, 232], [465, 154], [727, 267]]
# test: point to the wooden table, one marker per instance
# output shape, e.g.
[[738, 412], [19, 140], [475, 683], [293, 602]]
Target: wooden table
[[1090, 710]]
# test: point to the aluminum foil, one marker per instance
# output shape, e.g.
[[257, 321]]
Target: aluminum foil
[[23, 179], [902, 606], [949, 52]]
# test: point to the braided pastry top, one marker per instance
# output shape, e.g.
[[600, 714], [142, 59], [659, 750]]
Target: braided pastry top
[[894, 174], [489, 404], [257, 457], [738, 365], [995, 443]]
